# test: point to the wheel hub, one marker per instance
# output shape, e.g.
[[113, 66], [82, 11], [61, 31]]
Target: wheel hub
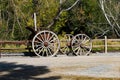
[[45, 44]]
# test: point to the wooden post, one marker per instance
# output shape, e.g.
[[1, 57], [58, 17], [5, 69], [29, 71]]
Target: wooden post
[[0, 53], [0, 50], [35, 21], [105, 44]]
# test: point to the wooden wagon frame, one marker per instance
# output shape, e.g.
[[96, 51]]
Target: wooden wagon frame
[[46, 43]]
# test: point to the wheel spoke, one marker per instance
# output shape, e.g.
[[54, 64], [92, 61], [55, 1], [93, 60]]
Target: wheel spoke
[[62, 49], [40, 51], [76, 45], [50, 37], [87, 48], [53, 40], [80, 51], [39, 39], [87, 41], [81, 37], [69, 38], [76, 49], [51, 46], [83, 51], [41, 35], [84, 40], [45, 36], [43, 52], [65, 49], [49, 51], [36, 45], [77, 40], [38, 48]]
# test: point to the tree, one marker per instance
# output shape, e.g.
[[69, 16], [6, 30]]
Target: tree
[[17, 14], [111, 10], [68, 16], [86, 18], [13, 19]]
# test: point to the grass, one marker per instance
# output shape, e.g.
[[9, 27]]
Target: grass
[[13, 48], [71, 77], [100, 45]]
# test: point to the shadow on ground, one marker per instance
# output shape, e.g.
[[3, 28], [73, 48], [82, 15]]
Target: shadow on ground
[[13, 71], [31, 54]]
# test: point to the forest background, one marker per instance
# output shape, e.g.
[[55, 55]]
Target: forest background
[[85, 17]]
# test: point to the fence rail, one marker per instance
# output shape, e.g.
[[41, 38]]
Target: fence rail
[[13, 42], [105, 43]]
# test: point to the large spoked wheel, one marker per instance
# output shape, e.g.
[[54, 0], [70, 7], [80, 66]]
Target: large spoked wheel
[[45, 43], [65, 43], [81, 44]]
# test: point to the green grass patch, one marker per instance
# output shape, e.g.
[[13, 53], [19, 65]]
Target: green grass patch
[[13, 48], [99, 45]]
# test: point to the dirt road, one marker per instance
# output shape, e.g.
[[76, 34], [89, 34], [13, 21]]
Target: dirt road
[[53, 68]]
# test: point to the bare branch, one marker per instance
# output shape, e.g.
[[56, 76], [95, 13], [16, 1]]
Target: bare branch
[[71, 6], [103, 33], [60, 10], [16, 13], [109, 14]]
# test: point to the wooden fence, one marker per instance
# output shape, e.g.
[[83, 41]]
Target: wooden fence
[[3, 43], [106, 43], [97, 43]]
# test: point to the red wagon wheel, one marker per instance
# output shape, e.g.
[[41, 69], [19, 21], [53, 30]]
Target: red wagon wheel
[[81, 44], [45, 43]]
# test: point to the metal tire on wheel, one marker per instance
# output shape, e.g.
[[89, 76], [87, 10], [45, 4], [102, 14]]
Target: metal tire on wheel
[[45, 43], [81, 44]]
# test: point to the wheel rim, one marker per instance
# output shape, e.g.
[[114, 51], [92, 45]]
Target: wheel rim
[[81, 44], [45, 43], [66, 44]]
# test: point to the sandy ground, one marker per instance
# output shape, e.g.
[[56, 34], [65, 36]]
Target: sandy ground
[[51, 68]]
